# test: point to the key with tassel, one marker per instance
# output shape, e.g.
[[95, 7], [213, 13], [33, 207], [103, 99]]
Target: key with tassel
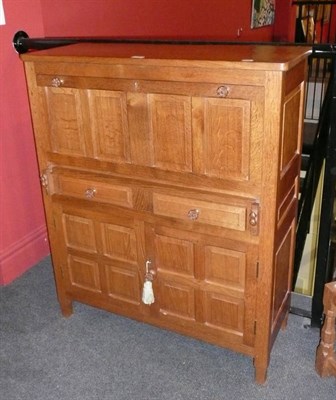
[[147, 291]]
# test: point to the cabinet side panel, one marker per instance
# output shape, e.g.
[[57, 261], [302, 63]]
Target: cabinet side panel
[[282, 277], [290, 140]]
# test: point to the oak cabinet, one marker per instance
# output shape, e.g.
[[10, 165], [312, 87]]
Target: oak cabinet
[[181, 166]]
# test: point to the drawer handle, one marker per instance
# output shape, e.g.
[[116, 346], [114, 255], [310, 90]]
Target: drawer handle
[[223, 91], [193, 214], [90, 193], [57, 82]]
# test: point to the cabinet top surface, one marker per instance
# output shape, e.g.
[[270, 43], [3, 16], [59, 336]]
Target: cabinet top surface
[[243, 56]]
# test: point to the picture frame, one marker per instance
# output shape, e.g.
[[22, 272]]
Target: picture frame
[[263, 12]]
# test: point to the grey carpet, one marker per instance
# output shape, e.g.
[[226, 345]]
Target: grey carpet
[[95, 355]]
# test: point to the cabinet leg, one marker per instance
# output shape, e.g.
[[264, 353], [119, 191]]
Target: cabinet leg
[[284, 322], [260, 372], [66, 307]]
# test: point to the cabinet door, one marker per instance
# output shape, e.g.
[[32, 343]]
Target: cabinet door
[[184, 127], [204, 286], [101, 257]]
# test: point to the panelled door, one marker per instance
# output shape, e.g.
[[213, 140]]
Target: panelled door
[[203, 284], [102, 256], [190, 128]]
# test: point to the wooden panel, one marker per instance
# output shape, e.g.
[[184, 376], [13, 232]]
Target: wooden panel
[[138, 124], [290, 136], [206, 287], [174, 255], [79, 233], [84, 273], [283, 269], [223, 134], [224, 290], [119, 242], [284, 207], [176, 299], [225, 267], [110, 136], [170, 118], [174, 278], [224, 215], [295, 76], [229, 289], [111, 271], [140, 87], [123, 283], [94, 190], [151, 72], [224, 312], [66, 126]]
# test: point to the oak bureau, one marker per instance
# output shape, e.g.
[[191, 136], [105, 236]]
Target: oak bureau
[[173, 168]]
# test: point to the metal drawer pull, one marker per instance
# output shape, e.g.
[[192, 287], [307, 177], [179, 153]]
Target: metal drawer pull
[[223, 91], [57, 82], [90, 193], [193, 214]]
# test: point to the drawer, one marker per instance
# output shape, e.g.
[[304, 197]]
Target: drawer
[[93, 190], [226, 215]]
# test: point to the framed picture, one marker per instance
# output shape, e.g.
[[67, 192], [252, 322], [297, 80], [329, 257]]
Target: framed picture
[[262, 13]]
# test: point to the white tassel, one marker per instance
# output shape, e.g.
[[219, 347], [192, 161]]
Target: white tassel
[[147, 293]]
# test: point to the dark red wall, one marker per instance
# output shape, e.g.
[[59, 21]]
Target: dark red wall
[[23, 233], [284, 24], [217, 19]]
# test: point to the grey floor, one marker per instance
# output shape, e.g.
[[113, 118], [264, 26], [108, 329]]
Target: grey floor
[[97, 355]]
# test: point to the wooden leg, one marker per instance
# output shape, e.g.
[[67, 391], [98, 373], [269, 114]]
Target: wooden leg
[[260, 372], [325, 363], [66, 306], [284, 322]]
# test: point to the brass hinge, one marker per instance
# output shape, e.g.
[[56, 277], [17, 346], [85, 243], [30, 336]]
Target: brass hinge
[[255, 328], [45, 179], [257, 269], [253, 218]]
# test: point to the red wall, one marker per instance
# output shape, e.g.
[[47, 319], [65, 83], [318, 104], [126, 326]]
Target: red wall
[[23, 234], [284, 24], [217, 19]]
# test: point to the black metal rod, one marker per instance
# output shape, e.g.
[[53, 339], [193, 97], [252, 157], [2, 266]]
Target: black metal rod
[[313, 2], [23, 43]]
